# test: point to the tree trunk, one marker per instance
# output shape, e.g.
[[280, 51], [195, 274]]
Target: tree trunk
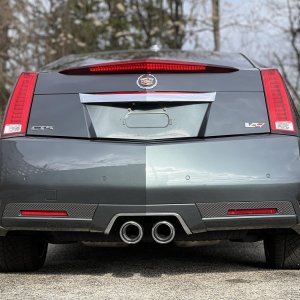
[[216, 24], [5, 18]]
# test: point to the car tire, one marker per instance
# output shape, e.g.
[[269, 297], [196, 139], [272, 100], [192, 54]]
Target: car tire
[[22, 253], [282, 250]]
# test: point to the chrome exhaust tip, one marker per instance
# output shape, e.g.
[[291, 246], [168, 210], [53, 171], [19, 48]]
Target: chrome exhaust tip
[[131, 232], [163, 232]]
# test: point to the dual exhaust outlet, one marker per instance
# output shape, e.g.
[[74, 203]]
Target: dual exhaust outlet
[[131, 232]]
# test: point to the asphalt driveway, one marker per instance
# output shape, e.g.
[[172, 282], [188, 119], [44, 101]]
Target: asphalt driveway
[[224, 271]]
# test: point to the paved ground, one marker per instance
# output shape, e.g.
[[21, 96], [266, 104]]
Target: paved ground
[[224, 271]]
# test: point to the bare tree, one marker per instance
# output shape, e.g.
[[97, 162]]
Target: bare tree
[[203, 26], [157, 22], [290, 64], [116, 29], [177, 24], [5, 21], [216, 24]]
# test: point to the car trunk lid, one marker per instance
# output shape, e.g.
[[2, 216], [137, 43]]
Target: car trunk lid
[[152, 100]]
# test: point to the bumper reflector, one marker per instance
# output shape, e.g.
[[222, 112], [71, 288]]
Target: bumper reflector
[[253, 211], [44, 213]]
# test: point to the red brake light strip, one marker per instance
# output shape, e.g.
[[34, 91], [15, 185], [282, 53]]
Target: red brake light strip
[[148, 65]]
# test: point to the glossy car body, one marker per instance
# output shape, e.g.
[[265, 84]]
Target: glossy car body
[[82, 157]]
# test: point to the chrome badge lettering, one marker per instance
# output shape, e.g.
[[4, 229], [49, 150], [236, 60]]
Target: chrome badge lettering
[[254, 125], [42, 127]]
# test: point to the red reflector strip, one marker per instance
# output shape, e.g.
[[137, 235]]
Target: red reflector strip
[[44, 213], [253, 211], [279, 107], [148, 65], [16, 118]]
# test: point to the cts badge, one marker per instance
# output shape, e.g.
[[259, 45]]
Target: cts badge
[[42, 127], [146, 81], [254, 125]]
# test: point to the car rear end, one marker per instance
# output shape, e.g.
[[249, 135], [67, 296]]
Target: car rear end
[[151, 149]]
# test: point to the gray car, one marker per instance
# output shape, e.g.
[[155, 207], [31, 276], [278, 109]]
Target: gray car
[[149, 146]]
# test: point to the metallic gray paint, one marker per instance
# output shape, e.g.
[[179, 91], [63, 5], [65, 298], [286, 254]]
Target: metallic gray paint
[[249, 168], [241, 81], [66, 116], [229, 112], [224, 116], [146, 178]]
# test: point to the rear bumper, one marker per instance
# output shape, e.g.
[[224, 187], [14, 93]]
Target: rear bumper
[[104, 217], [194, 181]]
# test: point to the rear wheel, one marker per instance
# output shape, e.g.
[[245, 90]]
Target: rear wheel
[[282, 250], [22, 253]]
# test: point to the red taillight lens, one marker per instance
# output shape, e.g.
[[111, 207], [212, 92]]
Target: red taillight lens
[[279, 107], [44, 213], [148, 65], [16, 119], [253, 211]]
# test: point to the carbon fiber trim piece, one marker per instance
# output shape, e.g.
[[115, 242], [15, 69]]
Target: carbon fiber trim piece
[[220, 209], [74, 210]]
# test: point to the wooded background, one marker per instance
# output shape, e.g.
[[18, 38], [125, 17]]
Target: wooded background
[[36, 32]]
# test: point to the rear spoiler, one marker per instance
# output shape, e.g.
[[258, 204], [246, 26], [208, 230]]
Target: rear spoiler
[[148, 65]]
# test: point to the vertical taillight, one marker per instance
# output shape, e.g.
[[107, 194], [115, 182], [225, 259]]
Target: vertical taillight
[[17, 114], [278, 102]]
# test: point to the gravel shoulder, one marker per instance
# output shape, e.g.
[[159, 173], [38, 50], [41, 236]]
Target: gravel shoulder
[[223, 271]]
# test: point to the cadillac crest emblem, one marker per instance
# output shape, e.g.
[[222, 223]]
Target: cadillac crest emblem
[[146, 81]]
